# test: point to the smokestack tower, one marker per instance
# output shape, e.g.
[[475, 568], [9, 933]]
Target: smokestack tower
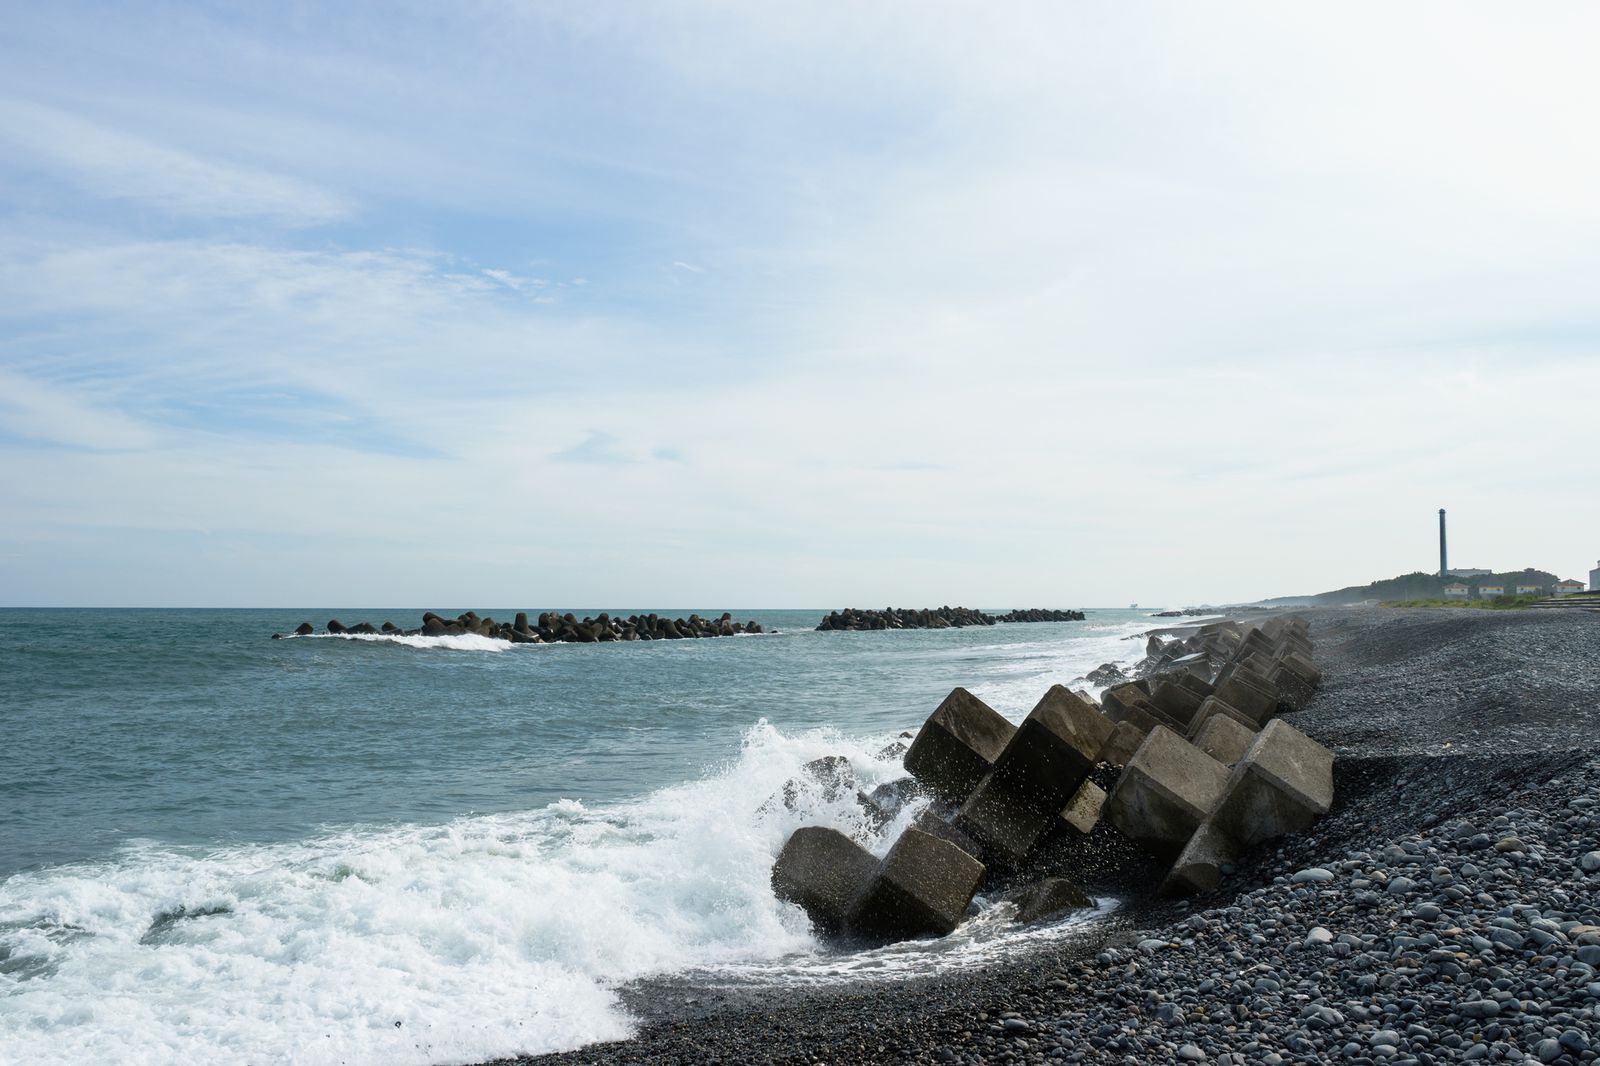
[[1444, 557]]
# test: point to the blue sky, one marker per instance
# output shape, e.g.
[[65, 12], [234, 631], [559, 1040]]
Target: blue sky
[[705, 303]]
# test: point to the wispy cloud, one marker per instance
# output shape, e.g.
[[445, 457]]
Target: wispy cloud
[[598, 447], [116, 165], [32, 411]]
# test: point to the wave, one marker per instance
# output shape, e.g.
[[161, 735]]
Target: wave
[[448, 642], [486, 937]]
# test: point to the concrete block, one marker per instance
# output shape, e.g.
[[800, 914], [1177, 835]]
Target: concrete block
[[933, 825], [1301, 666], [1115, 700], [1295, 693], [1195, 664], [1198, 868], [1124, 741], [1256, 662], [1255, 641], [1053, 750], [923, 887], [1176, 702], [1214, 707], [1193, 682], [1241, 689], [825, 872], [1167, 789], [1082, 812], [1006, 824], [1051, 754], [1141, 713], [1224, 739], [957, 745], [1282, 783]]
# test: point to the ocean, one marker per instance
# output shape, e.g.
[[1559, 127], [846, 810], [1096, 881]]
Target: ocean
[[214, 845]]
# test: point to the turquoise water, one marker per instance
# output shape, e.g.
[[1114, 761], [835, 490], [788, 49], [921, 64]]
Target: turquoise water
[[213, 843]]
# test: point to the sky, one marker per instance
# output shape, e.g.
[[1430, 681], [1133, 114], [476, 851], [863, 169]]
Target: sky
[[713, 304]]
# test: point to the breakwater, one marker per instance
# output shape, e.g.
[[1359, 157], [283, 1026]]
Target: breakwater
[[549, 628], [853, 619], [1191, 765]]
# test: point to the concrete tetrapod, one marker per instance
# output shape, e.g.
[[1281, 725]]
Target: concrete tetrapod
[[957, 745], [1167, 789], [1051, 754], [1082, 812], [1198, 867], [1123, 742], [923, 887], [1215, 708], [1281, 784], [1224, 739], [825, 872]]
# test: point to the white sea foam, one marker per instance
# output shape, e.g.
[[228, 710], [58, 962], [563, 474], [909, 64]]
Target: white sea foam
[[1015, 681], [447, 642], [488, 936]]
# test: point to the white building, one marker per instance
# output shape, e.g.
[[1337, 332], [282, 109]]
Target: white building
[[1491, 590], [1529, 590], [1457, 591], [1568, 587], [1594, 578]]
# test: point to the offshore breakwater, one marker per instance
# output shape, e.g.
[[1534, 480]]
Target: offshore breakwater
[[551, 627], [853, 619]]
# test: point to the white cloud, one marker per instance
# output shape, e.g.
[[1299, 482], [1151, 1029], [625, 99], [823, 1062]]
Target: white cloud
[[37, 412], [1060, 304], [121, 166]]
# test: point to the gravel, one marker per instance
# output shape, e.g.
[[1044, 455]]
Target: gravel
[[1447, 909]]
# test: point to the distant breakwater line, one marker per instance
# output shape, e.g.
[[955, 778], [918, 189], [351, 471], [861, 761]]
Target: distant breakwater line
[[549, 628], [852, 620]]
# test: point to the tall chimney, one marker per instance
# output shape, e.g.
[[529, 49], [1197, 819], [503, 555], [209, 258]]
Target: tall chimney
[[1444, 558]]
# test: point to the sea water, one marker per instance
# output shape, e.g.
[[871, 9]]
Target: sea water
[[427, 850]]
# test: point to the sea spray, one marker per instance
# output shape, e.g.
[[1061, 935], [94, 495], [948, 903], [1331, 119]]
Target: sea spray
[[484, 937]]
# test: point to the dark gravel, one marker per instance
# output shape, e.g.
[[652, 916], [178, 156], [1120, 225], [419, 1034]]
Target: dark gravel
[[1445, 910]]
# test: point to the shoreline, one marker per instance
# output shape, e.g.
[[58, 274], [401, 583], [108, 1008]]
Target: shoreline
[[1422, 709]]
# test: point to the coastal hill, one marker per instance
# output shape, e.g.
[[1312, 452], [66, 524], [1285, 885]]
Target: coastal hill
[[1417, 586]]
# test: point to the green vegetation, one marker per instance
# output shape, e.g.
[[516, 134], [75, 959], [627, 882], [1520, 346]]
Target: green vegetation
[[1417, 587], [1497, 603]]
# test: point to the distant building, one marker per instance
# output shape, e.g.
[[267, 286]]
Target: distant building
[[1468, 571], [1594, 578], [1457, 591], [1568, 587], [1529, 590], [1491, 590]]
